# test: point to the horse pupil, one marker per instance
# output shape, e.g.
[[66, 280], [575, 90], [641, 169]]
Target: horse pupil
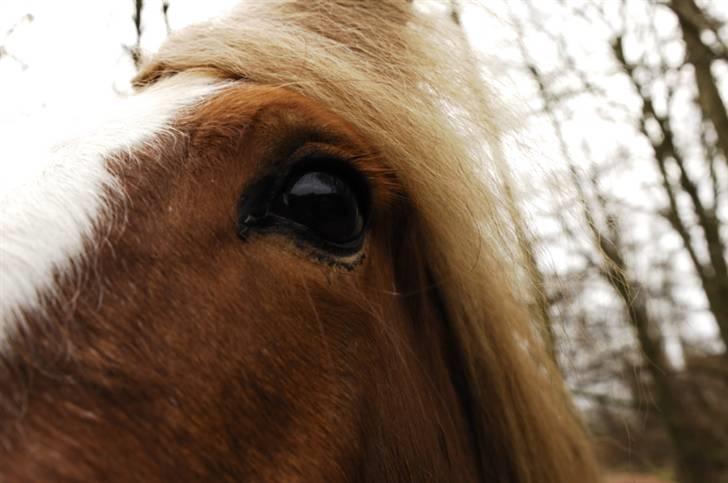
[[324, 203]]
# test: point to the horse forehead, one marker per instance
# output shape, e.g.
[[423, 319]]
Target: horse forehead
[[53, 195]]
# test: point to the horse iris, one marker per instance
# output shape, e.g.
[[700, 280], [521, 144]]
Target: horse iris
[[324, 203]]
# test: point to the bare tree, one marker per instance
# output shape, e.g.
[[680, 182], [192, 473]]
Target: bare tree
[[693, 21], [712, 272], [692, 187]]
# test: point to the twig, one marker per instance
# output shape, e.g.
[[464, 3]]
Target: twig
[[135, 51], [165, 14]]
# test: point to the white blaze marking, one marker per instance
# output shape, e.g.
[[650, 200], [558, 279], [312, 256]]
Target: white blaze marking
[[50, 197]]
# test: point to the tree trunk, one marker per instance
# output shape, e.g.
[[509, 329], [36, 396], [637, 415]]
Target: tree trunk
[[713, 274], [694, 455], [700, 56]]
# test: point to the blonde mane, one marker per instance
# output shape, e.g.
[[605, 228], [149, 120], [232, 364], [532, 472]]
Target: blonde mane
[[404, 78]]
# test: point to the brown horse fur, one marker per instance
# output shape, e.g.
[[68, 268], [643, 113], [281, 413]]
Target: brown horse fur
[[176, 350], [215, 358]]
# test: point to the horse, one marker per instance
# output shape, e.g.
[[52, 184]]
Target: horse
[[285, 257]]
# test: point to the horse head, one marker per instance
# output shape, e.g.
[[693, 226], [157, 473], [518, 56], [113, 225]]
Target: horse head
[[283, 258]]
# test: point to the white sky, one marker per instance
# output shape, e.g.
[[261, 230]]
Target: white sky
[[72, 50], [71, 54]]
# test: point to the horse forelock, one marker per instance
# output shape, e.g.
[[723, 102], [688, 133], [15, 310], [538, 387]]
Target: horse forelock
[[58, 198]]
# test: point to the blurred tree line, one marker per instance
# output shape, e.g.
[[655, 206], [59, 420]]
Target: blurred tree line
[[620, 310]]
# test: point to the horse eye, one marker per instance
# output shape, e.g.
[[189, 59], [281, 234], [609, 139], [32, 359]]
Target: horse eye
[[327, 205]]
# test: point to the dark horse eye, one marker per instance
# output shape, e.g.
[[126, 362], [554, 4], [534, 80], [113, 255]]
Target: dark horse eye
[[326, 204]]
